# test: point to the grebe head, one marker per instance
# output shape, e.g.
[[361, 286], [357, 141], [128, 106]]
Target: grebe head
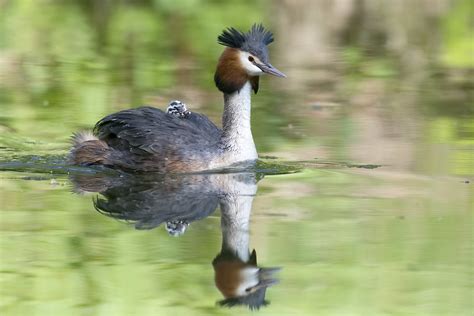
[[244, 59]]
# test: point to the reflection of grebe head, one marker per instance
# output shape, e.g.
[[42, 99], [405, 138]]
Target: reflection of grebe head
[[242, 283]]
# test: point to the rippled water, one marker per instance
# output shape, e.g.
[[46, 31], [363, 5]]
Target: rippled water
[[363, 196]]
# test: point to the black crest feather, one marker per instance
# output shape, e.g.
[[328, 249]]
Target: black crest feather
[[255, 41], [231, 38]]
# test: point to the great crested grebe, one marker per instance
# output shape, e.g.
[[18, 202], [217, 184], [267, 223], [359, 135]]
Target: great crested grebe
[[148, 139]]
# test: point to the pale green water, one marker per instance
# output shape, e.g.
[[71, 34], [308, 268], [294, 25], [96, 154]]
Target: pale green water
[[377, 118]]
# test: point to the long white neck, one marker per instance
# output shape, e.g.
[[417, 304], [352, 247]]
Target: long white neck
[[237, 134], [235, 219]]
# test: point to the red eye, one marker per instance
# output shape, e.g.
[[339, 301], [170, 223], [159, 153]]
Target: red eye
[[251, 59]]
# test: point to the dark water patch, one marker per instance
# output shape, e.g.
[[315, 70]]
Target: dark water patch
[[36, 178], [368, 166], [268, 157], [57, 164], [35, 159], [51, 168], [310, 164]]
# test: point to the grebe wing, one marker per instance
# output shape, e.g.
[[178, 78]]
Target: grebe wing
[[152, 130]]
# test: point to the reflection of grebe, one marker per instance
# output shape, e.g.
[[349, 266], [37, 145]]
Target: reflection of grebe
[[237, 275], [148, 139], [178, 200]]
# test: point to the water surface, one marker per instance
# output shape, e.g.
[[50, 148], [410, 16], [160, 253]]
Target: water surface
[[363, 196]]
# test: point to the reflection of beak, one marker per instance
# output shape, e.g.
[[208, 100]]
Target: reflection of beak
[[269, 69], [266, 278]]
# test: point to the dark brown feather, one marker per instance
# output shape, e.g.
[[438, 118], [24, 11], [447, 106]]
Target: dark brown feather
[[254, 83], [230, 76], [90, 152]]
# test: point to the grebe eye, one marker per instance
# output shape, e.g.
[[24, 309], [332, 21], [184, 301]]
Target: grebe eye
[[251, 59]]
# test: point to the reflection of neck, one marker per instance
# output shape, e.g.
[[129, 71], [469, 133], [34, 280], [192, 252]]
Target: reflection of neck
[[236, 131], [235, 218]]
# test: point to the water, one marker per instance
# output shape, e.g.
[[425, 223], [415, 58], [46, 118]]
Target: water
[[363, 195]]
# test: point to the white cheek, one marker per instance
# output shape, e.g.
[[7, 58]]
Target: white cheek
[[249, 278], [252, 70], [249, 67]]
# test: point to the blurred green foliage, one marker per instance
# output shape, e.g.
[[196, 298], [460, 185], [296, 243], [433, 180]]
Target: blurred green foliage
[[458, 33], [65, 68]]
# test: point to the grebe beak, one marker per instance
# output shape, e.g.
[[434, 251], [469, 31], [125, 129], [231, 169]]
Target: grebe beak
[[269, 69]]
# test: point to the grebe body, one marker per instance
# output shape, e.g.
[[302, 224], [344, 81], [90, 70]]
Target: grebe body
[[178, 140]]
